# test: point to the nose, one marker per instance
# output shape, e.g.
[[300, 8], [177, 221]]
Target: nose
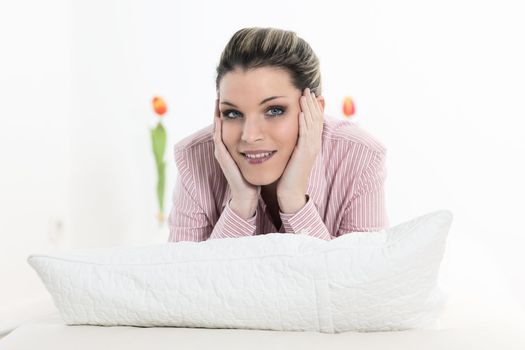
[[252, 130]]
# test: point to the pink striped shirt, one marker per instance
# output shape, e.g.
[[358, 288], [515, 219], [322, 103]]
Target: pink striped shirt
[[345, 190]]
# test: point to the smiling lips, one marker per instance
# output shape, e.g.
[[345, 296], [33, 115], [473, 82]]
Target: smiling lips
[[257, 157]]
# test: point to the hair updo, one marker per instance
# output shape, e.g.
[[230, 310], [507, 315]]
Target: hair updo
[[255, 47]]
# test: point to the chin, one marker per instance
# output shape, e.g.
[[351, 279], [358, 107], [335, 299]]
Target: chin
[[260, 180]]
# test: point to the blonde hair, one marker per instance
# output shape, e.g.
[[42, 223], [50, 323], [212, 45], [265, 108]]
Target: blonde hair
[[256, 47]]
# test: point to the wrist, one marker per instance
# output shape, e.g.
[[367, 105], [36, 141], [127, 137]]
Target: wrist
[[292, 204], [243, 208]]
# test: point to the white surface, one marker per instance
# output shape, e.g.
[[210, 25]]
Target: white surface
[[468, 324], [367, 281], [18, 313]]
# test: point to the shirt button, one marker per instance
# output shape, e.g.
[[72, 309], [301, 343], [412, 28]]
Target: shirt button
[[303, 231]]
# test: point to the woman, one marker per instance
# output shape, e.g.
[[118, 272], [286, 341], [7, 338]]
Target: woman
[[271, 161]]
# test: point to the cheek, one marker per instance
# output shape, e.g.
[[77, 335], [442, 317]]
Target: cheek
[[230, 136], [287, 132]]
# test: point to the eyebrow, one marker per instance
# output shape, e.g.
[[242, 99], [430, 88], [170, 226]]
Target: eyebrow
[[262, 102]]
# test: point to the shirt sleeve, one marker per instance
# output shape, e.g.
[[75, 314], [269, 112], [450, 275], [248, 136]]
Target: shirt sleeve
[[232, 225], [366, 210], [189, 222], [306, 221]]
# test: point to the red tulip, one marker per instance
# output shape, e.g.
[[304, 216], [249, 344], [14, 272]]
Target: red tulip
[[348, 107], [159, 106]]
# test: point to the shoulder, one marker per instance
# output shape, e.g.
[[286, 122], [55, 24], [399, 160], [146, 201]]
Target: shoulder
[[348, 135], [350, 151], [196, 146], [200, 137]]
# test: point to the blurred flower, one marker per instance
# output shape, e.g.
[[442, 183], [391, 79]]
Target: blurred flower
[[348, 107], [159, 106], [158, 143]]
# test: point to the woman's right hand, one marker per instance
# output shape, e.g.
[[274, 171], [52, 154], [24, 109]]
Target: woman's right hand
[[244, 195]]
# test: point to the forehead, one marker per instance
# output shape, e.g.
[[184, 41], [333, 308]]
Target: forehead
[[258, 81]]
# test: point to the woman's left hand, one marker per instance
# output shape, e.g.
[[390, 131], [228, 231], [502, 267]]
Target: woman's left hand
[[292, 186]]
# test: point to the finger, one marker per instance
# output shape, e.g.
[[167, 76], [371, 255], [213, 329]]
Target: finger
[[319, 117], [316, 105], [217, 131], [217, 111], [317, 114], [310, 100], [304, 107], [302, 128], [215, 115], [219, 145], [306, 110]]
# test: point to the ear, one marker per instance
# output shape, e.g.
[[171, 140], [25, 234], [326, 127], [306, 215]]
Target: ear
[[320, 99]]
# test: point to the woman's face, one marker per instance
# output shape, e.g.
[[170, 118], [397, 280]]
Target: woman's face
[[260, 112]]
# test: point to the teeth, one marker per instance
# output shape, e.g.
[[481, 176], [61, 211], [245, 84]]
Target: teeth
[[260, 155]]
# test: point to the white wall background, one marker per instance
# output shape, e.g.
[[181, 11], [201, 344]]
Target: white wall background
[[441, 84]]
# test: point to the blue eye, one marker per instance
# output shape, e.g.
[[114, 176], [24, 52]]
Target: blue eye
[[277, 108], [226, 114]]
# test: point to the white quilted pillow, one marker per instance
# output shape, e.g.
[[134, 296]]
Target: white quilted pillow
[[361, 281]]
